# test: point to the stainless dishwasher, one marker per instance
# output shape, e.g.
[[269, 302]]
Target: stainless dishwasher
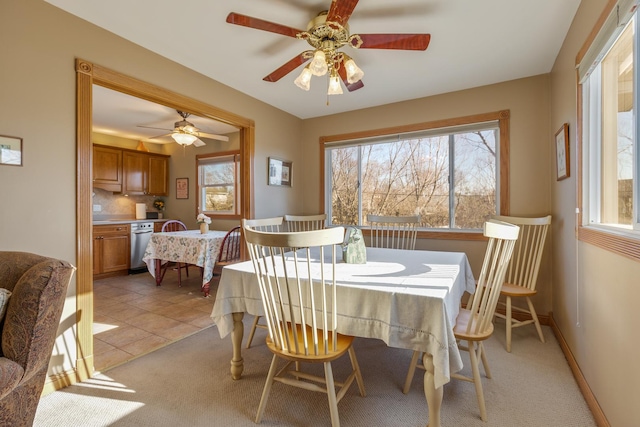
[[140, 235]]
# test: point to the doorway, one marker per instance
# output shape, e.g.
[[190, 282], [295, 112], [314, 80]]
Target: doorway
[[88, 74]]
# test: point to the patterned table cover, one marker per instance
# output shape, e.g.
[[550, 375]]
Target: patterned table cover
[[188, 246]]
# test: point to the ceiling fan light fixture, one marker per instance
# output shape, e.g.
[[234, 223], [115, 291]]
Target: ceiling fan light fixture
[[319, 65], [334, 85], [303, 81], [184, 138], [354, 73]]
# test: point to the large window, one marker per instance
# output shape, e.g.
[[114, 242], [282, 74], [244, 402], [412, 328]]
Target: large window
[[450, 176], [219, 183]]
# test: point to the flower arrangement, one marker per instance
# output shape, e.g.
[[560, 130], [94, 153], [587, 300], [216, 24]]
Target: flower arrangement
[[202, 218], [158, 204]]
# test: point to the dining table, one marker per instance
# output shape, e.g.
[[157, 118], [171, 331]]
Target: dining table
[[189, 247], [408, 298]]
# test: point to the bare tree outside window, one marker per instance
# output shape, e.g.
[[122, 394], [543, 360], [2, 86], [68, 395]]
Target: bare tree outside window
[[413, 177]]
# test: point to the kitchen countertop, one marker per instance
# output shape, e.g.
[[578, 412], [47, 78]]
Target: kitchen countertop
[[125, 221]]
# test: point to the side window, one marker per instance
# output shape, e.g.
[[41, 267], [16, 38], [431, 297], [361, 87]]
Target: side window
[[218, 183]]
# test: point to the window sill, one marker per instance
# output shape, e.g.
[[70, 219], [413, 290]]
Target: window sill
[[619, 241]]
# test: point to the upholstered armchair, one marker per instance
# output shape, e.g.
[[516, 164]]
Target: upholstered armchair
[[38, 287]]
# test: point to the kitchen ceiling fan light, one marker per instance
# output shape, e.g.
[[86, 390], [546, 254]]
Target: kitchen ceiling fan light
[[184, 138], [318, 65], [303, 81], [334, 85], [354, 73]]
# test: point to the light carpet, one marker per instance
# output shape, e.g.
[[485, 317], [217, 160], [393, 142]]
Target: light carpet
[[188, 383]]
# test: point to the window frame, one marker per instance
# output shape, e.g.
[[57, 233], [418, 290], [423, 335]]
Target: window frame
[[502, 117], [238, 176], [613, 239]]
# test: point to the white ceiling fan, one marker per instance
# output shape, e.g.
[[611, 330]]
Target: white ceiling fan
[[185, 133]]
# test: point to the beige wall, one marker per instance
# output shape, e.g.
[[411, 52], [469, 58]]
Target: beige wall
[[530, 177], [595, 292], [38, 103]]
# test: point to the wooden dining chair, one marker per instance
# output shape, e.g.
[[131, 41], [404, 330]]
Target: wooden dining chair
[[305, 222], [474, 323], [174, 225], [229, 249], [393, 232], [522, 275], [272, 225], [300, 308]]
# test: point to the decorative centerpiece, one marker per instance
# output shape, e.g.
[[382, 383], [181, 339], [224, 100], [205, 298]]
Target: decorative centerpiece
[[159, 205], [204, 222]]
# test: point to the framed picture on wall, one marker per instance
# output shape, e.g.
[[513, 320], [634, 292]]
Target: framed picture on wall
[[182, 188], [279, 172], [10, 150], [562, 153]]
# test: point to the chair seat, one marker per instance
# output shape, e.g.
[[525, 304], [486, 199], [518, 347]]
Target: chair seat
[[344, 342], [462, 322], [512, 290]]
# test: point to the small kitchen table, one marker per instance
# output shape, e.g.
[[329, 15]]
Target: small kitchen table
[[408, 299], [190, 247]]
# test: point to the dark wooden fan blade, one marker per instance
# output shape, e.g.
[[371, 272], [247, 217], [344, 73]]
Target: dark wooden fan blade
[[341, 11], [350, 86], [286, 68], [259, 24], [395, 41]]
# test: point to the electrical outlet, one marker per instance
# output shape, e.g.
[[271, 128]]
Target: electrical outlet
[[97, 208]]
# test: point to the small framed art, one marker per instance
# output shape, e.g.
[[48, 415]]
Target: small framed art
[[279, 172], [562, 153], [10, 150], [182, 188]]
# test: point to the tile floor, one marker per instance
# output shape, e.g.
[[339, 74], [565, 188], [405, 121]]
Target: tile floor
[[133, 316]]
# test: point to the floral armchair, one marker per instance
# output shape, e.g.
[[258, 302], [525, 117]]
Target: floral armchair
[[38, 287]]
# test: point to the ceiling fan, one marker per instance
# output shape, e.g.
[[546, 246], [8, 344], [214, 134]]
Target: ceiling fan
[[185, 133], [327, 33]]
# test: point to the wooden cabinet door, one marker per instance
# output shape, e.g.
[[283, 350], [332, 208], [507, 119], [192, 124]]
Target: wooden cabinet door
[[115, 253], [97, 255], [157, 226], [158, 183], [136, 170], [107, 168]]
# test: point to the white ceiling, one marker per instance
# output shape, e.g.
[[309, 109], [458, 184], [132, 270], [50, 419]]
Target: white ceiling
[[473, 43]]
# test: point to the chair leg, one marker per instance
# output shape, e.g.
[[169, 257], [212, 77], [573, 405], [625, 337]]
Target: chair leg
[[267, 389], [532, 310], [475, 368], [356, 368], [411, 372], [253, 331], [331, 394], [509, 324], [483, 357]]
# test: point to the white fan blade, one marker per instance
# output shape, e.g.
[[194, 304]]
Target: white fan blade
[[213, 136], [159, 136], [198, 143]]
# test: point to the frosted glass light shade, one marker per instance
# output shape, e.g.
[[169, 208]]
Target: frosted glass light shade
[[184, 138], [354, 73], [334, 85], [304, 79], [318, 65]]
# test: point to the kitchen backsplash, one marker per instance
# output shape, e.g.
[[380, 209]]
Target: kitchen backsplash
[[106, 204]]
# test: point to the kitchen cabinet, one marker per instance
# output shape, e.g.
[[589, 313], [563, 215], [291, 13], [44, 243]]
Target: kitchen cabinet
[[145, 174], [107, 168], [157, 226], [111, 250]]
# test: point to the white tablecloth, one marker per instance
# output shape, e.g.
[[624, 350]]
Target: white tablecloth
[[408, 299], [188, 246]]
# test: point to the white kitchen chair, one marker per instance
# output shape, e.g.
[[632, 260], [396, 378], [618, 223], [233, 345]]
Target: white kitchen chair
[[393, 232], [300, 311], [305, 222], [522, 275], [474, 323], [271, 225]]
